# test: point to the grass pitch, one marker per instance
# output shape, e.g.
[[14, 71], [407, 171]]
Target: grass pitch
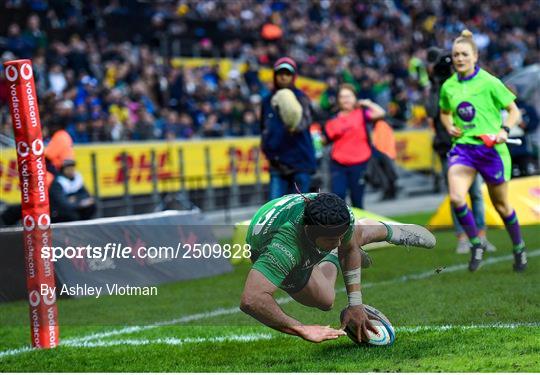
[[446, 320]]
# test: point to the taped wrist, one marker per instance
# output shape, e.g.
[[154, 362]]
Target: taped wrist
[[355, 298], [352, 277]]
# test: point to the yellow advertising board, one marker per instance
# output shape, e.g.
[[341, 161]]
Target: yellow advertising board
[[414, 150], [524, 196], [110, 171], [414, 153]]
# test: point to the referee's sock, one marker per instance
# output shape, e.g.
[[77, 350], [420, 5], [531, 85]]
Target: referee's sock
[[466, 219], [514, 230]]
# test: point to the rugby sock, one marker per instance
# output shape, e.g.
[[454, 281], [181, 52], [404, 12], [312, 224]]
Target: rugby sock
[[466, 219], [512, 226], [389, 231]]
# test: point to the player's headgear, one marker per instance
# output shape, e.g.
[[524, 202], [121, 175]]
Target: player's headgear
[[326, 215]]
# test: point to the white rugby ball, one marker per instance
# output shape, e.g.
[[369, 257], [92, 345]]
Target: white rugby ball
[[386, 334]]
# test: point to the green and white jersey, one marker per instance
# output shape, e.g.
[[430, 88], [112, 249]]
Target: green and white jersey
[[476, 103], [278, 242]]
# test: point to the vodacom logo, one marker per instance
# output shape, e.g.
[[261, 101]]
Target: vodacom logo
[[22, 149], [11, 73], [26, 71], [29, 223], [37, 148], [49, 300], [44, 221], [33, 298]]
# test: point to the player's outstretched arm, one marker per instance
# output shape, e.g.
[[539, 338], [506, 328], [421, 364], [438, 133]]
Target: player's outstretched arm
[[350, 259], [258, 301]]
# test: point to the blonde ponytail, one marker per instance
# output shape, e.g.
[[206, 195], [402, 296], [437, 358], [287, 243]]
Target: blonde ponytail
[[467, 34], [467, 37]]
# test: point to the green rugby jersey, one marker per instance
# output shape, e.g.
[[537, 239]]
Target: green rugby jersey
[[476, 103], [279, 245]]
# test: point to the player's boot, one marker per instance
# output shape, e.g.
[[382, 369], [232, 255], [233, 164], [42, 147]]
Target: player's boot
[[520, 261], [477, 253], [410, 235]]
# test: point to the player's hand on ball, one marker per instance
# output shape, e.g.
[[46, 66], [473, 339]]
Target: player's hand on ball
[[359, 319], [501, 137], [319, 333], [455, 131]]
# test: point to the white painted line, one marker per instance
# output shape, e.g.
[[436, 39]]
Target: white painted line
[[284, 300], [176, 341], [268, 336], [468, 327], [173, 340], [9, 352]]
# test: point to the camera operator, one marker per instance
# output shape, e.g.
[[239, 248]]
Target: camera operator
[[439, 70]]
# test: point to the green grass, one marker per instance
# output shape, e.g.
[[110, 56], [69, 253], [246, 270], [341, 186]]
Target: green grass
[[493, 295]]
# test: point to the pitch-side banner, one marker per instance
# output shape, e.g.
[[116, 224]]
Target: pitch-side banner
[[34, 198], [413, 153]]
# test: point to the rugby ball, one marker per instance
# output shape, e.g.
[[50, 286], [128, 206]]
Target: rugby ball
[[386, 334], [288, 107]]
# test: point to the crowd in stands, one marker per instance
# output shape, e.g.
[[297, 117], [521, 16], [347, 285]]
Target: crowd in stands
[[104, 70]]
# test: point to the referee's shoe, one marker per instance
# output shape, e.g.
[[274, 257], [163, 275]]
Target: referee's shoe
[[520, 261], [477, 253]]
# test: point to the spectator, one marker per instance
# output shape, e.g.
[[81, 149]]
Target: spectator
[[382, 164], [212, 128], [357, 42], [79, 132], [98, 130], [351, 150], [60, 146], [145, 127], [523, 155], [17, 43], [36, 37], [178, 126], [289, 150], [252, 126], [68, 197]]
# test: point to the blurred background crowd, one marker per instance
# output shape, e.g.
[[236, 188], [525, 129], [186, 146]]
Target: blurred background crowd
[[105, 69]]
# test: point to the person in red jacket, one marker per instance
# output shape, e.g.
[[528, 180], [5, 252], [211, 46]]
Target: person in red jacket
[[60, 146], [351, 149]]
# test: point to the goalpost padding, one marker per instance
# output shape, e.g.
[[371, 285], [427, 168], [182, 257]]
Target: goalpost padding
[[36, 218]]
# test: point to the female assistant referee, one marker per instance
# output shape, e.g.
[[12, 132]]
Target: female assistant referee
[[471, 102]]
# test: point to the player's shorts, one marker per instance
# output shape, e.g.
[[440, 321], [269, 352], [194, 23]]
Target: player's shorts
[[298, 278], [493, 163]]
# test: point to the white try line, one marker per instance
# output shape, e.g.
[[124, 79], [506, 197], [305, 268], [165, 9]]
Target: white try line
[[466, 328], [234, 310], [246, 338]]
